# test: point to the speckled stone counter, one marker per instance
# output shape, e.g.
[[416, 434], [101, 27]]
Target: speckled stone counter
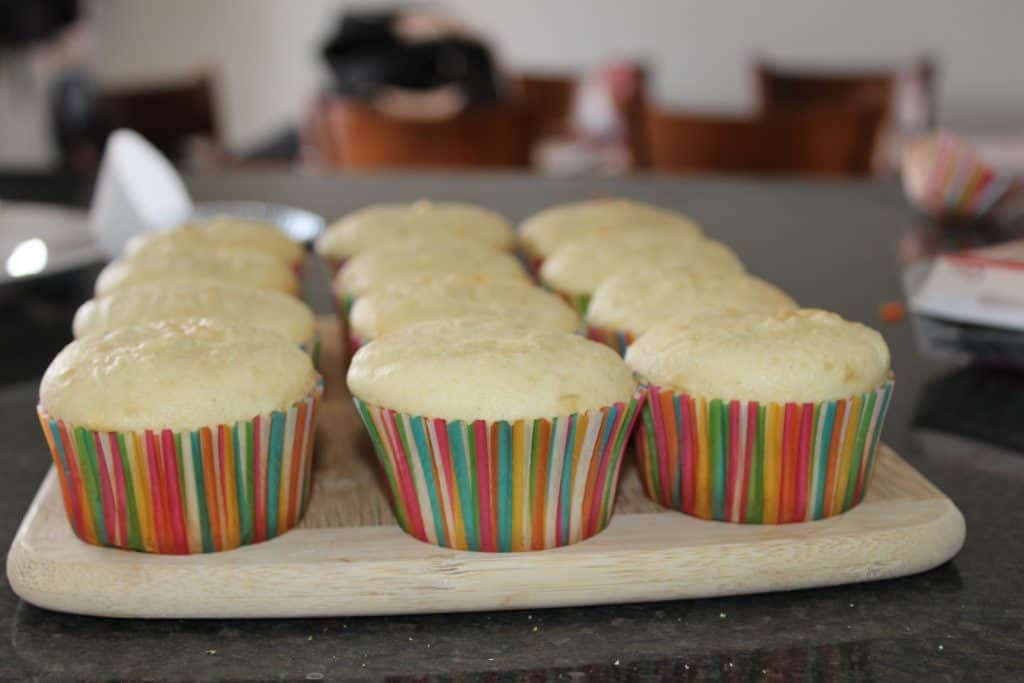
[[832, 245]]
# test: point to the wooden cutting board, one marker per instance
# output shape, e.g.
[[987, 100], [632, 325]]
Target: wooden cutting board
[[349, 557]]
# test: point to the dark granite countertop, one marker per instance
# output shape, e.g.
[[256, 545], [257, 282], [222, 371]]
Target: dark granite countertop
[[834, 245]]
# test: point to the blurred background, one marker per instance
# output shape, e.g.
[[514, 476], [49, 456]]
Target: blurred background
[[580, 86]]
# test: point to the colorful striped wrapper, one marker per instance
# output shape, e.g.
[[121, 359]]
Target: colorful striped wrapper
[[617, 339], [199, 491], [743, 461], [502, 486], [578, 301]]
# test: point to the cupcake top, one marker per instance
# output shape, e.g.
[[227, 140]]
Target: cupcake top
[[246, 267], [198, 298], [388, 308], [639, 298], [544, 232], [415, 260], [220, 233], [177, 375], [384, 224], [489, 369], [806, 355], [582, 265]]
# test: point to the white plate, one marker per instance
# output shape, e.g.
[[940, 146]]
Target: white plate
[[43, 239]]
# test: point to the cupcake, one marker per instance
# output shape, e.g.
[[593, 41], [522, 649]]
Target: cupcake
[[578, 268], [220, 233], [382, 225], [200, 298], [385, 309], [420, 261], [245, 267], [543, 233], [520, 450], [182, 436], [632, 301], [764, 418]]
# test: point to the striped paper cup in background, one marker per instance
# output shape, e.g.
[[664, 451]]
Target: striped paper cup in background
[[944, 177], [578, 301], [744, 461], [205, 490], [617, 339], [312, 347], [502, 486]]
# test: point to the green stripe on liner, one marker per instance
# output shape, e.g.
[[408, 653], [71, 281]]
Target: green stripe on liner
[[91, 479], [534, 447], [381, 451], [719, 436], [504, 461], [464, 482], [755, 501], [241, 486], [274, 471], [877, 436], [617, 450], [652, 452], [565, 486], [419, 435], [858, 449], [134, 530], [204, 513]]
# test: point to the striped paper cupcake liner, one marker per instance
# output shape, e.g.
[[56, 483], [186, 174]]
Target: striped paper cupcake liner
[[355, 343], [579, 302], [744, 461], [200, 491], [617, 339], [502, 486]]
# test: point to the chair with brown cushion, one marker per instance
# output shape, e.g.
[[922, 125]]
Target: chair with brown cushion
[[169, 115], [825, 140], [479, 136]]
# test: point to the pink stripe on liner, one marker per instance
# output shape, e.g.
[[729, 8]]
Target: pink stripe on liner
[[483, 475], [106, 491], [156, 492], [403, 473], [687, 425], [122, 490], [660, 440], [175, 499], [804, 462]]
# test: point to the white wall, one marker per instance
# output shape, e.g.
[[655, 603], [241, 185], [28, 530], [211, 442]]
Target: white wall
[[265, 51]]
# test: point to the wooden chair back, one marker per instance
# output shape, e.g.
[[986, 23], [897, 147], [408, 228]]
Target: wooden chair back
[[480, 136], [832, 141], [168, 115]]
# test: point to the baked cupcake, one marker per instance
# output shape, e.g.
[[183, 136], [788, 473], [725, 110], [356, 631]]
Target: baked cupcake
[[632, 301], [520, 450], [544, 232], [578, 268], [420, 261], [382, 225], [245, 267], [182, 436], [385, 309], [764, 418], [200, 298], [221, 233]]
